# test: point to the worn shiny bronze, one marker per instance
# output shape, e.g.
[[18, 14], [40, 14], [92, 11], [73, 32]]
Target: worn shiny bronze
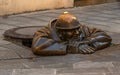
[[67, 21], [66, 35]]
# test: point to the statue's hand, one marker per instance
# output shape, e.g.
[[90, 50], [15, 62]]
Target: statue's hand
[[86, 49], [76, 43], [82, 46]]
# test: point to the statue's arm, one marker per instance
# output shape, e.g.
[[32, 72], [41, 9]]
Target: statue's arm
[[90, 40], [99, 40], [43, 45], [96, 38]]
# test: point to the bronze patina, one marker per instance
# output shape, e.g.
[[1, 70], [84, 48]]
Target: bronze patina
[[66, 35]]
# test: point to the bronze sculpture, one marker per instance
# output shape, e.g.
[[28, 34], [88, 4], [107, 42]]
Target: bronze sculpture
[[66, 35]]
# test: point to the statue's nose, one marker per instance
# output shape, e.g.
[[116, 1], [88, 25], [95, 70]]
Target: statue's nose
[[76, 32], [69, 33]]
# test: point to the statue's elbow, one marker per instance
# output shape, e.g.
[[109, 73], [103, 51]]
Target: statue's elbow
[[35, 50], [110, 39]]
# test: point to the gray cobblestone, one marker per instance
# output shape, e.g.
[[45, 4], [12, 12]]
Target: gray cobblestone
[[12, 64], [115, 70], [6, 27], [4, 42], [8, 54], [83, 70], [114, 73], [6, 71], [116, 21], [59, 65], [23, 52], [30, 65], [1, 32], [71, 58], [1, 37], [82, 74], [109, 52], [98, 18], [9, 22], [34, 72], [108, 16], [93, 65]]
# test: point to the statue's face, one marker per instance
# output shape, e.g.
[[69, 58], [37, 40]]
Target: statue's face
[[69, 34]]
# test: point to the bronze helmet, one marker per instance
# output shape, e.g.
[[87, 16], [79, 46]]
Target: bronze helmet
[[67, 21]]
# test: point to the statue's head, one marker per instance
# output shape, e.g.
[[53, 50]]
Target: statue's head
[[67, 25]]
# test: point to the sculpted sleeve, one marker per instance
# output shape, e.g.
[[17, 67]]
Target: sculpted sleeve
[[98, 38], [43, 44]]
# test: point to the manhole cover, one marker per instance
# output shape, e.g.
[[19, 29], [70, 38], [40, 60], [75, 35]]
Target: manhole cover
[[22, 32]]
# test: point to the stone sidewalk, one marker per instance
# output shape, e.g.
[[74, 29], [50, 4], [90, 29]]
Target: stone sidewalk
[[18, 60]]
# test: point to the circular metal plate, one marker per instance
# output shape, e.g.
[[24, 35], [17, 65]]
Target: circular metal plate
[[22, 32]]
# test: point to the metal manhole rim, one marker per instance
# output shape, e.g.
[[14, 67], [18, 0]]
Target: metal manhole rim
[[12, 33]]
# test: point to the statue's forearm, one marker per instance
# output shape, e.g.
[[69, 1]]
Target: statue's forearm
[[43, 45], [45, 48], [100, 41]]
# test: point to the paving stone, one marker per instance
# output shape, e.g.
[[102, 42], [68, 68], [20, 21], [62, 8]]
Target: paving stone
[[114, 73], [44, 18], [116, 64], [9, 22], [58, 65], [83, 70], [51, 15], [12, 64], [115, 70], [98, 18], [103, 59], [91, 13], [22, 51], [2, 48], [71, 58], [116, 21], [106, 26], [47, 62], [4, 42], [6, 71], [110, 51], [109, 54], [97, 22], [93, 65], [30, 65], [34, 21], [115, 37], [34, 72], [2, 31], [20, 19], [1, 37], [82, 74], [108, 16], [21, 64], [34, 18], [37, 20], [99, 26], [108, 12], [6, 27], [7, 54]]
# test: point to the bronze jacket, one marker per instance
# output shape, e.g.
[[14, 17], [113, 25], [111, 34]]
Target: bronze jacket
[[47, 42]]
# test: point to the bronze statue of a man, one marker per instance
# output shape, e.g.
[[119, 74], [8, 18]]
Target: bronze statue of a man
[[66, 35]]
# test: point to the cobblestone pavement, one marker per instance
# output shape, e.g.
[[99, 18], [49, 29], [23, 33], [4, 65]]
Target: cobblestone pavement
[[19, 60]]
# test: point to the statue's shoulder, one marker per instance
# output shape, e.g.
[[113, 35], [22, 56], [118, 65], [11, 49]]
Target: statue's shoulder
[[44, 29], [84, 26]]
